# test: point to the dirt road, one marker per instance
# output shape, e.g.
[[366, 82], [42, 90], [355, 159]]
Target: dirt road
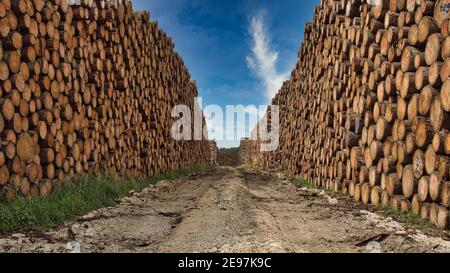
[[229, 211]]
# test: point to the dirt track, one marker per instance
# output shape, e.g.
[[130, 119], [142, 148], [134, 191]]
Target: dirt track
[[229, 211]]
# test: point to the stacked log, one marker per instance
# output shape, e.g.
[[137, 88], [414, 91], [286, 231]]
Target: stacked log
[[366, 111], [87, 87], [245, 154], [228, 157], [214, 150]]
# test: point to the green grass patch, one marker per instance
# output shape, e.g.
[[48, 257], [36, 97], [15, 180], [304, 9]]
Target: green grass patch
[[288, 175], [408, 218], [72, 199], [244, 167], [301, 182], [338, 194]]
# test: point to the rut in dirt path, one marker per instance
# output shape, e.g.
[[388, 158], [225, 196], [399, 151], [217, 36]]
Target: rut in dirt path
[[229, 211]]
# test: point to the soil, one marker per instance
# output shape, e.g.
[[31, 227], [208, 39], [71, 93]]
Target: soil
[[230, 210]]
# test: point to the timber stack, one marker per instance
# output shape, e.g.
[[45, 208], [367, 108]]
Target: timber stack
[[244, 150], [87, 87], [367, 109], [214, 151], [228, 157]]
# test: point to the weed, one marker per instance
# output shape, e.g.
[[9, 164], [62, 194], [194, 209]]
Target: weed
[[71, 199]]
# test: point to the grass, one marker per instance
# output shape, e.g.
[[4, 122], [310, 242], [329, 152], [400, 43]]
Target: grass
[[405, 217], [244, 167], [408, 218], [301, 182], [72, 199], [288, 174]]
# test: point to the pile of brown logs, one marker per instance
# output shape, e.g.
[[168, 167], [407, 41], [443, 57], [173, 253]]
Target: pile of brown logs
[[87, 87], [228, 157], [367, 109], [245, 152], [213, 152]]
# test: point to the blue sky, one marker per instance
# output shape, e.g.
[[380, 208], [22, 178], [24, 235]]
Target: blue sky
[[238, 51]]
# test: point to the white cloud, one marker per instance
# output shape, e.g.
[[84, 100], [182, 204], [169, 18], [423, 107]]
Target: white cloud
[[263, 60]]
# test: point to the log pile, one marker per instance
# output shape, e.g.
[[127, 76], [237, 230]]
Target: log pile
[[367, 109], [228, 157], [245, 152], [87, 87], [213, 152]]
